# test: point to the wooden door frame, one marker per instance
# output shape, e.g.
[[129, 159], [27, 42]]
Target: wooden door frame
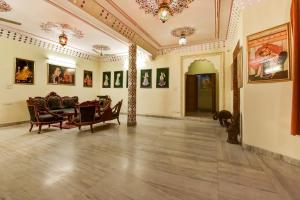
[[214, 90]]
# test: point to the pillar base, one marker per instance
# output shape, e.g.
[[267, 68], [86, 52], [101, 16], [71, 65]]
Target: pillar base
[[131, 123]]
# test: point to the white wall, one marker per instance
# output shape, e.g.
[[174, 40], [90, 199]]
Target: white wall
[[157, 101], [13, 97], [266, 107]]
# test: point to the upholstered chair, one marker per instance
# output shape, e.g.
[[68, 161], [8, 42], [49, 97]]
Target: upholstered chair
[[40, 115], [86, 114]]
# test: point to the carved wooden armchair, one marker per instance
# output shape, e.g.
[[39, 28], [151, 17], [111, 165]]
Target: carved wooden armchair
[[86, 114], [40, 115]]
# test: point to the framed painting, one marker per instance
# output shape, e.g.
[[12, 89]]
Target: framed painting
[[126, 78], [59, 75], [106, 80], [146, 78], [269, 55], [162, 78], [87, 78], [24, 71], [118, 79]]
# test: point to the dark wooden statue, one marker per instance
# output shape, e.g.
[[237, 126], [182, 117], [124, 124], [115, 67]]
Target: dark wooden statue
[[234, 130], [224, 117]]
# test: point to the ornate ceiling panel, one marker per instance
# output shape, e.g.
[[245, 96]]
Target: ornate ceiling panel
[[102, 14], [151, 6], [4, 7]]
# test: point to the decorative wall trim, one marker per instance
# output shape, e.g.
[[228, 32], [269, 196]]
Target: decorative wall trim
[[26, 38], [267, 153]]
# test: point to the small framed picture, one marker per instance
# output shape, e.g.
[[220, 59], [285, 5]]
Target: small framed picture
[[162, 78], [146, 78], [106, 80], [126, 78], [118, 79], [59, 75], [24, 71], [87, 78]]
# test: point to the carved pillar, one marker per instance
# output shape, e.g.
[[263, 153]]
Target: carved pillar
[[132, 73]]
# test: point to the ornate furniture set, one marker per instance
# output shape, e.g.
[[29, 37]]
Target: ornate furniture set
[[54, 109], [91, 112]]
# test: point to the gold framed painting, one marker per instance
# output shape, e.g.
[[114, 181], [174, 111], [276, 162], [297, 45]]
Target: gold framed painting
[[87, 78], [269, 55], [24, 71], [59, 75]]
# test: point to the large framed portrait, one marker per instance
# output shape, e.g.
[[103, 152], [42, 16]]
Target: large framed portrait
[[269, 55], [118, 79], [59, 75], [162, 78], [146, 78], [87, 78], [24, 71], [106, 79]]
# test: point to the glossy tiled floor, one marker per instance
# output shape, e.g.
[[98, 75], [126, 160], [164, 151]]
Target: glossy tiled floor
[[160, 159]]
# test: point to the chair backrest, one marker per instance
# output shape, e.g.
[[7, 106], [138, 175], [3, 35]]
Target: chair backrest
[[117, 108], [32, 108], [87, 111]]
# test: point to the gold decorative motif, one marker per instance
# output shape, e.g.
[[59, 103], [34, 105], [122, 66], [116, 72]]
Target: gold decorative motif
[[186, 31], [101, 47], [62, 28], [105, 16], [152, 6], [4, 7]]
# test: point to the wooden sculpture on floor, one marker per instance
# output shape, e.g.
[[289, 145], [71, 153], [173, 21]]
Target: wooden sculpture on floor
[[224, 117], [234, 130]]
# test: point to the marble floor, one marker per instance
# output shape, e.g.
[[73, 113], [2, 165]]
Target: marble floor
[[160, 159]]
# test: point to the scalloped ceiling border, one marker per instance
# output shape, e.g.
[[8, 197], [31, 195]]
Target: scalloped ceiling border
[[26, 38]]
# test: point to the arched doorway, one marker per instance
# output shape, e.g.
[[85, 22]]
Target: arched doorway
[[201, 92]]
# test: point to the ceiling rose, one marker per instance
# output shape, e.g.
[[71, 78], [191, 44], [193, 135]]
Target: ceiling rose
[[182, 33], [4, 7], [163, 8], [101, 48], [60, 28]]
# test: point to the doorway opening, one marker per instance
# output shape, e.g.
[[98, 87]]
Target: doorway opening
[[201, 95]]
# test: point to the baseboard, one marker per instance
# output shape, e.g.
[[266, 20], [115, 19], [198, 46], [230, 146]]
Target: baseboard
[[267, 153], [156, 116], [13, 123]]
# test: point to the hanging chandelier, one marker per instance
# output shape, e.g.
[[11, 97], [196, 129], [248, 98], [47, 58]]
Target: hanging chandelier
[[163, 8], [63, 31], [63, 39]]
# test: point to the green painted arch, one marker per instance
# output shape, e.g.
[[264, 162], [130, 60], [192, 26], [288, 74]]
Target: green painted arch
[[202, 66]]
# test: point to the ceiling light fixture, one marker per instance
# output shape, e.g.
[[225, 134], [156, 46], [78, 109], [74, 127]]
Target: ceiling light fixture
[[163, 8], [63, 31], [182, 34], [164, 12], [182, 40], [63, 39]]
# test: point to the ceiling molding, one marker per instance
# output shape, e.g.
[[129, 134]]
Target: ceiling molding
[[27, 38], [115, 6], [103, 15]]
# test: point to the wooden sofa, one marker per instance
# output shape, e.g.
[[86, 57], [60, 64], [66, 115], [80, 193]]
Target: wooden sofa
[[90, 113], [52, 104]]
